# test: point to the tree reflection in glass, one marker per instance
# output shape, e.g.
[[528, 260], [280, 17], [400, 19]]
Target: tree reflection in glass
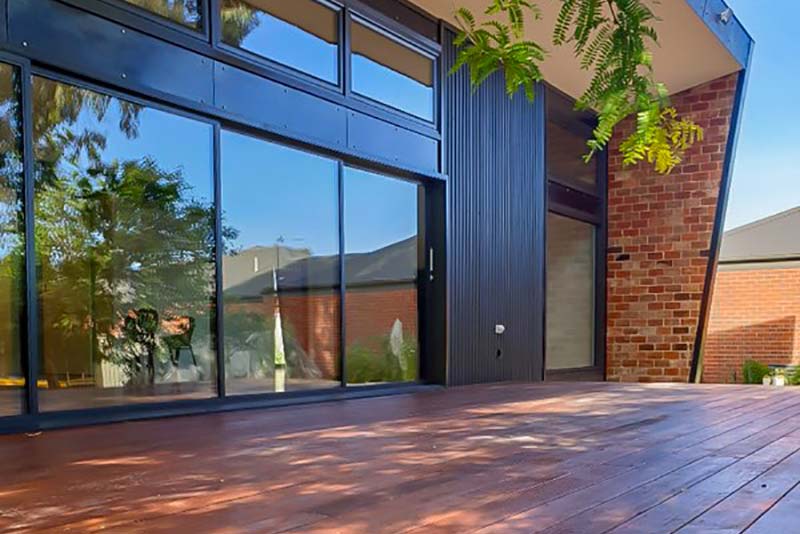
[[12, 242], [125, 249], [186, 12]]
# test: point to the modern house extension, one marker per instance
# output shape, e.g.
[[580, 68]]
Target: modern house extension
[[222, 204]]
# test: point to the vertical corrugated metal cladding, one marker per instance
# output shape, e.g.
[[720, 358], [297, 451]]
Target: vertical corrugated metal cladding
[[494, 158]]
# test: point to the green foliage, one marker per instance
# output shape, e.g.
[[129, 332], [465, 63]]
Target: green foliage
[[793, 376], [251, 335], [140, 329], [660, 138], [184, 11], [753, 372], [495, 45], [610, 38], [366, 364], [123, 246], [238, 19]]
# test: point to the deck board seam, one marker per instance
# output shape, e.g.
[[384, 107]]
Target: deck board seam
[[771, 506], [739, 488], [626, 471], [646, 510]]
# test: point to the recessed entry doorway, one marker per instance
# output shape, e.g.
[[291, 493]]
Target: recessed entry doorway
[[575, 273]]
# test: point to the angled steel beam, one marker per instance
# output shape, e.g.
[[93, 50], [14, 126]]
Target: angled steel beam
[[696, 371]]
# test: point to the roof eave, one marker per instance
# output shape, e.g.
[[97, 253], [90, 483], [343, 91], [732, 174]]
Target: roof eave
[[723, 23]]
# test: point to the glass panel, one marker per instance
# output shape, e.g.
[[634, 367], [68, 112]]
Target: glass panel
[[570, 293], [302, 34], [391, 73], [382, 246], [186, 12], [12, 243], [280, 267], [567, 133], [125, 250]]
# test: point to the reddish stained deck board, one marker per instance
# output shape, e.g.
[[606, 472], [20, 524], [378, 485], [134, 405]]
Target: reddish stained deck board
[[556, 458]]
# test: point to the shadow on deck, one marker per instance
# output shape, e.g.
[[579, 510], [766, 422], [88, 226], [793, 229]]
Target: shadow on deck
[[555, 457]]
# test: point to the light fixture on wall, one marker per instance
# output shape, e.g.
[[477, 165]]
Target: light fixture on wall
[[726, 16]]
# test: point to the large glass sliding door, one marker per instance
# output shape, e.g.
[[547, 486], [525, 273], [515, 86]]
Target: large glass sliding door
[[320, 263], [281, 271], [384, 255], [124, 219], [280, 267], [12, 243]]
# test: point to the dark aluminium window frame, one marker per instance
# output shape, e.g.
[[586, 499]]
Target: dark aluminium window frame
[[267, 63], [577, 201], [425, 276], [208, 43], [202, 31], [33, 419], [431, 54]]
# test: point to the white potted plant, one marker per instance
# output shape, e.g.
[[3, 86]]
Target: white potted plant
[[779, 379]]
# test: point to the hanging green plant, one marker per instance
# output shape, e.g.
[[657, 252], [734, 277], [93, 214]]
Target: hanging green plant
[[611, 38]]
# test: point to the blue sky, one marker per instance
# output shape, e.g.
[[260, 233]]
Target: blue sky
[[268, 190], [766, 176]]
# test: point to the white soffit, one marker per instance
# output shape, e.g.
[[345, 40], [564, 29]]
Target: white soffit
[[689, 53]]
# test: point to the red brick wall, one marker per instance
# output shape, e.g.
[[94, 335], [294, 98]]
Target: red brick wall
[[659, 231], [370, 314], [314, 320], [755, 314]]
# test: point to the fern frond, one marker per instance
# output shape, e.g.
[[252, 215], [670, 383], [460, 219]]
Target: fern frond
[[613, 39], [565, 17], [498, 44]]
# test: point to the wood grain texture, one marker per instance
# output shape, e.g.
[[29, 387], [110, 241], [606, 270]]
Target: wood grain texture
[[556, 457]]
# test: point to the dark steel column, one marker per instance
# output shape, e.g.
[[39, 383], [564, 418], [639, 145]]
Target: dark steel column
[[696, 372]]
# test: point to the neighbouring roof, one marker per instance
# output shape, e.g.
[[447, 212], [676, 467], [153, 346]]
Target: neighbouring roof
[[394, 263], [776, 237]]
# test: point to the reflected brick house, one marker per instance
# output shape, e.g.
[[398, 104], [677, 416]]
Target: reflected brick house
[[755, 314], [379, 294]]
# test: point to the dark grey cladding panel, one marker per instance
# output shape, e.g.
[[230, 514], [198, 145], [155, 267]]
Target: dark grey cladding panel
[[266, 104], [391, 144], [494, 154], [272, 106], [71, 39], [3, 21]]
